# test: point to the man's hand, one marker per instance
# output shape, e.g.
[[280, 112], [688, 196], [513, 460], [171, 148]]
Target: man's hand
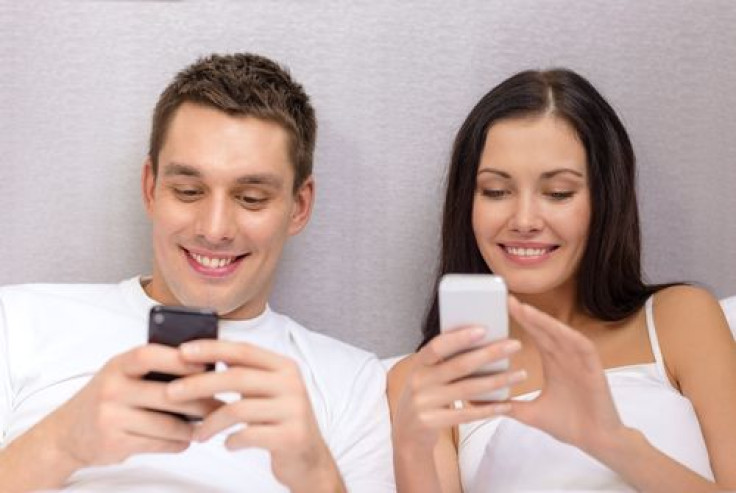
[[274, 407], [113, 416]]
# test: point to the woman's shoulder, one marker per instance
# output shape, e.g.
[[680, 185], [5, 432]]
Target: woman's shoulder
[[691, 327], [688, 293], [685, 308]]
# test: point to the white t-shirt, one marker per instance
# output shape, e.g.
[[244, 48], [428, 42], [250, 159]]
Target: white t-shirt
[[53, 338]]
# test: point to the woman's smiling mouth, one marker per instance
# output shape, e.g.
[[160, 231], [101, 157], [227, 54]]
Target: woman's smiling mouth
[[527, 254]]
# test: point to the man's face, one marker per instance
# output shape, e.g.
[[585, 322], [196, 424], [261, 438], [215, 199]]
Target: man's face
[[222, 207]]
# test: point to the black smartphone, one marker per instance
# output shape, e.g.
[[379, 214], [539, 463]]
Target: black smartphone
[[174, 325]]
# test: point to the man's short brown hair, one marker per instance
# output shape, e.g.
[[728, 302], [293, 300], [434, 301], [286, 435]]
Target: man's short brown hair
[[242, 84]]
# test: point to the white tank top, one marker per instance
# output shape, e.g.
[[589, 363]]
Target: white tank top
[[502, 454]]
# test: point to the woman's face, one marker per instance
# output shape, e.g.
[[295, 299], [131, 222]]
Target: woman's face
[[531, 207]]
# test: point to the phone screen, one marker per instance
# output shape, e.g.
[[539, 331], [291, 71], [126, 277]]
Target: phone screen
[[477, 299], [174, 325]]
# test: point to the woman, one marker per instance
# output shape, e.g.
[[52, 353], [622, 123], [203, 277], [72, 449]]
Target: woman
[[615, 383]]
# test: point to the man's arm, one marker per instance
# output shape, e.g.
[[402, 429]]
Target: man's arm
[[108, 420]]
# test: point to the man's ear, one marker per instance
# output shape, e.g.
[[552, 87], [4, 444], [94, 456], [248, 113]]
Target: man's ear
[[303, 203], [148, 185]]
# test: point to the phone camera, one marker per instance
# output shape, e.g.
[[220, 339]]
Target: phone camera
[[159, 318]]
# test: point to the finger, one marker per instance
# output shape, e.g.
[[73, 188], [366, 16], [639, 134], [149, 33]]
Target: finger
[[522, 313], [449, 343], [469, 362], [155, 357], [566, 341], [156, 425], [526, 412], [234, 353], [267, 437], [166, 446], [471, 388], [245, 381], [444, 418], [247, 411], [147, 445], [153, 395]]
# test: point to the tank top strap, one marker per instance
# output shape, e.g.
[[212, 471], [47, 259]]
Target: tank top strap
[[654, 341]]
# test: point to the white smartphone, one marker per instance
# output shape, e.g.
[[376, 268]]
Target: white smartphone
[[477, 299]]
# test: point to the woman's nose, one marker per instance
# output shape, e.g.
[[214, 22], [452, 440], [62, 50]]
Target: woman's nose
[[526, 218]]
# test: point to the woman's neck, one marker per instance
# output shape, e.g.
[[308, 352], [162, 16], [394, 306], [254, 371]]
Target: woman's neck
[[560, 303]]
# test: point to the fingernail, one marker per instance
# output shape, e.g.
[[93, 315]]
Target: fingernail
[[199, 435], [517, 376], [511, 346], [477, 333]]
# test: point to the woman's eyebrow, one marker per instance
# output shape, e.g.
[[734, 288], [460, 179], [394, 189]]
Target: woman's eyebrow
[[551, 174], [545, 176], [494, 171]]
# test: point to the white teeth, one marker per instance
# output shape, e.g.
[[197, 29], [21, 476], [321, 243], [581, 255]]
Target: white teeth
[[526, 252], [210, 262]]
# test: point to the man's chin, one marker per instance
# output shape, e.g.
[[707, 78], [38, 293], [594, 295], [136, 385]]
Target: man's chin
[[242, 307]]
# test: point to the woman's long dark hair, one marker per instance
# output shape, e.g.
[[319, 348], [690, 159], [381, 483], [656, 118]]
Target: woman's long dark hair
[[610, 285]]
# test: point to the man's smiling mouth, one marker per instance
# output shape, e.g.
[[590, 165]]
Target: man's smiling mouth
[[213, 263]]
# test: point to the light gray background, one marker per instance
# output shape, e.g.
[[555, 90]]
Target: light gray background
[[391, 82]]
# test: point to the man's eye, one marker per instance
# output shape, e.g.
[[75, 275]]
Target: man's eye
[[560, 195], [494, 193], [187, 193], [249, 200]]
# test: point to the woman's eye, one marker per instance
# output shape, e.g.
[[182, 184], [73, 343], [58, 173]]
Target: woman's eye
[[494, 193], [560, 195]]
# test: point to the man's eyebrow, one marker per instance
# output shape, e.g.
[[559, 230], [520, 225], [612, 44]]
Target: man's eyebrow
[[179, 169], [260, 179], [175, 169]]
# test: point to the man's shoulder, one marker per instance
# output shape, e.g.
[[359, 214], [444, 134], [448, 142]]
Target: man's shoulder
[[58, 289], [63, 300], [67, 291], [322, 341], [330, 352]]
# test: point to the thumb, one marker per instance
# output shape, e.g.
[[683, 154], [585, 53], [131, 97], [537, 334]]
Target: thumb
[[526, 412]]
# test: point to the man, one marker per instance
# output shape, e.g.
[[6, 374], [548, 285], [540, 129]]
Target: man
[[227, 181]]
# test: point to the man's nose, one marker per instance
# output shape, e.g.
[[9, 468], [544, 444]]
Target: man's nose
[[216, 220]]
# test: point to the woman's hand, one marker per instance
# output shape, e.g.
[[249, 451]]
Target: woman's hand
[[441, 374], [575, 404]]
